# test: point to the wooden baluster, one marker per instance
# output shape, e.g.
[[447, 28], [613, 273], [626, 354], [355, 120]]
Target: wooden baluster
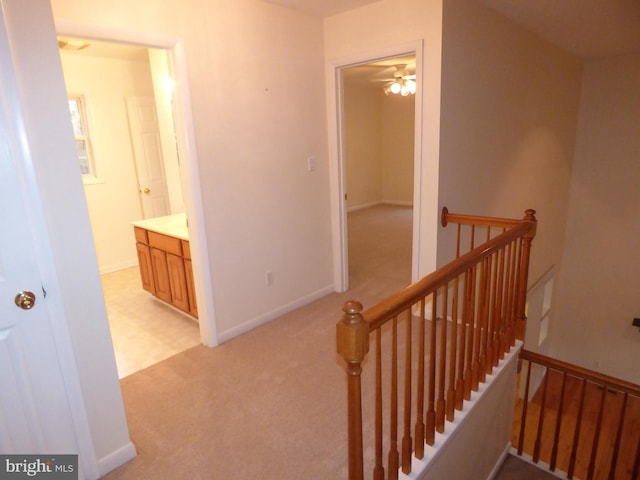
[[576, 434], [394, 456], [636, 464], [499, 313], [506, 335], [419, 430], [538, 442], [451, 393], [473, 237], [525, 404], [521, 318], [477, 330], [458, 241], [378, 470], [352, 338], [616, 446], [430, 433], [485, 293], [596, 436], [516, 285], [442, 375], [407, 442], [556, 436], [491, 315], [485, 358], [462, 348], [471, 303], [512, 296]]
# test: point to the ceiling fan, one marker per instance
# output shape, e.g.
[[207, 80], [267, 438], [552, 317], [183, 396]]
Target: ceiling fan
[[403, 82]]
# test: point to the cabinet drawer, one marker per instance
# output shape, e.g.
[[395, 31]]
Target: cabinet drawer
[[166, 243], [186, 251], [141, 235]]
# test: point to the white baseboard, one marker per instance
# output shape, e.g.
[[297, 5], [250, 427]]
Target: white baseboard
[[117, 266], [498, 465], [397, 203], [381, 202], [363, 206], [117, 458], [262, 319]]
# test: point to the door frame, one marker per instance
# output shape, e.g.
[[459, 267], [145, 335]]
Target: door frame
[[186, 147], [335, 106]]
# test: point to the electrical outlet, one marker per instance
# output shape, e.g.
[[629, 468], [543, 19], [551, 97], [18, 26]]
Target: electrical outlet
[[268, 278]]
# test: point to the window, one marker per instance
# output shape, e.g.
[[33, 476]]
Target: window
[[81, 133]]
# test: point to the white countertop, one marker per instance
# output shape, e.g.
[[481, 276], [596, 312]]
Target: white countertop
[[172, 225]]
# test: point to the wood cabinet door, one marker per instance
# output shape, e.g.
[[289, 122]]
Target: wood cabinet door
[[161, 274], [178, 282], [146, 270], [191, 290]]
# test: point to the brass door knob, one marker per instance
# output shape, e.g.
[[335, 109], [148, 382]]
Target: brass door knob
[[25, 300], [147, 190]]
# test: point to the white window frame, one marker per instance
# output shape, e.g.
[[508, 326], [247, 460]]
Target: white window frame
[[82, 135]]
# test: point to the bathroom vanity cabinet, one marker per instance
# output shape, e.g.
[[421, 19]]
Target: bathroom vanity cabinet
[[164, 259]]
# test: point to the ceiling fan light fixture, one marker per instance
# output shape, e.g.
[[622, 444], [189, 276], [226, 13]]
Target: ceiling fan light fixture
[[402, 83], [411, 86]]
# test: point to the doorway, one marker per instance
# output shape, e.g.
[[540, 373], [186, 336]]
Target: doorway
[[107, 81], [378, 154]]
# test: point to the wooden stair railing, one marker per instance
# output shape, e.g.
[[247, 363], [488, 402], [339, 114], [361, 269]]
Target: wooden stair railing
[[578, 421], [460, 319]]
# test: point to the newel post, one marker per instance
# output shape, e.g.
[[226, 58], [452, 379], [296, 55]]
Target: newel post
[[352, 334], [521, 301]]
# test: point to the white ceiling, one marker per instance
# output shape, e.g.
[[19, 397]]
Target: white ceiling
[[380, 72], [95, 48], [587, 28]]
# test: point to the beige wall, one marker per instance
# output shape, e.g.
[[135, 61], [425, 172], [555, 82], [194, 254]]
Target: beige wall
[[379, 147], [256, 80], [597, 295], [363, 145], [113, 198], [509, 110], [398, 128]]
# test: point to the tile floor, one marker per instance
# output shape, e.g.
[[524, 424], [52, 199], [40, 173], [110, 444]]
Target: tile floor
[[144, 330]]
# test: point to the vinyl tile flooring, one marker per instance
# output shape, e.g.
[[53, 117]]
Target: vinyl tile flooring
[[144, 330]]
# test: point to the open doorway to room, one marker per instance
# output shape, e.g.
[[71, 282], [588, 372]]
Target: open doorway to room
[[131, 172], [378, 157]]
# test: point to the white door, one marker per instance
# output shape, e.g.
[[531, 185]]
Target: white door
[[35, 412], [147, 151]]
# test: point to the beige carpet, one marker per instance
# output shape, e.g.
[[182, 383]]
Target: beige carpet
[[270, 404]]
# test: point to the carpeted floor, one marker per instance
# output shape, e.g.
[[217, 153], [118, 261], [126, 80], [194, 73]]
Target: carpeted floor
[[270, 404]]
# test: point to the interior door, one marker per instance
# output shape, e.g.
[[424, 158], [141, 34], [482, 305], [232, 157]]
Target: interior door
[[35, 412], [147, 151]]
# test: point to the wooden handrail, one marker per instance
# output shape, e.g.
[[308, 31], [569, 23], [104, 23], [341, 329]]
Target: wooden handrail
[[446, 217], [607, 381], [393, 305], [482, 294]]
